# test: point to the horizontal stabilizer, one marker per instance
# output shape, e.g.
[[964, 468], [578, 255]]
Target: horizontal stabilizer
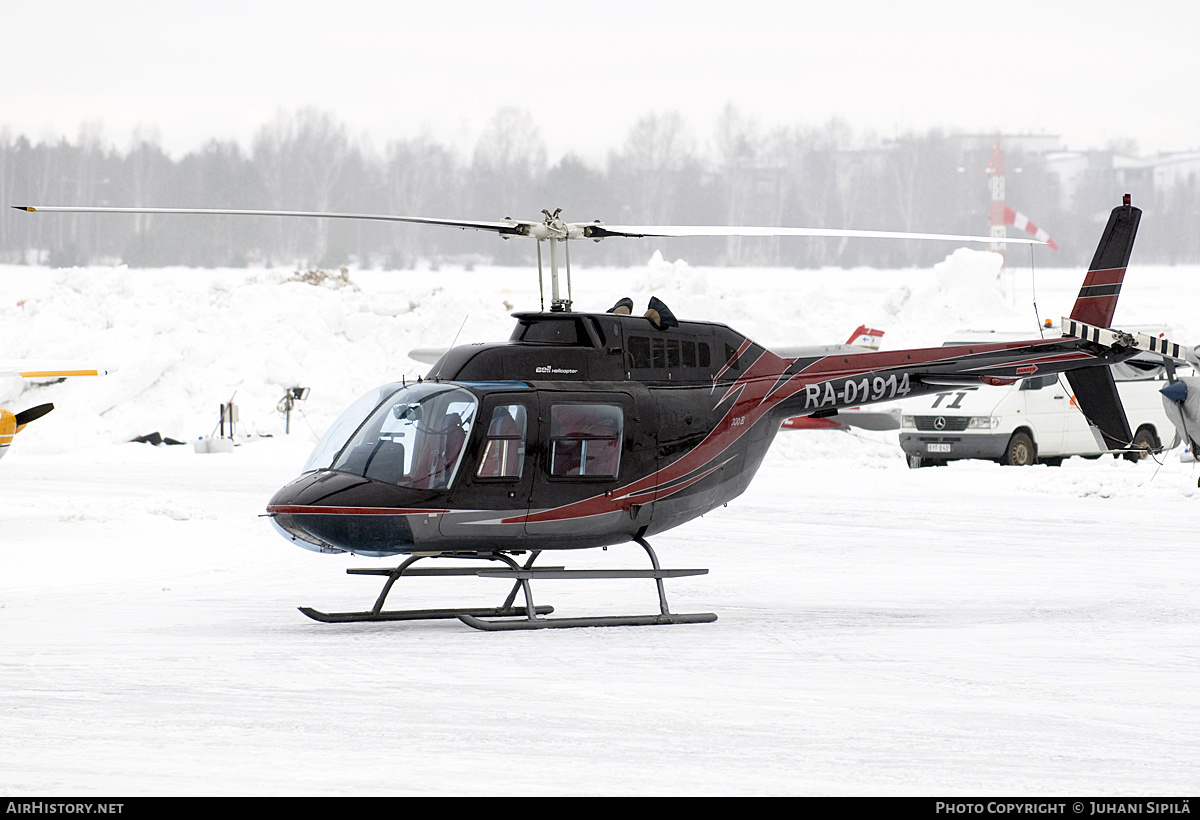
[[875, 420], [805, 351], [427, 355]]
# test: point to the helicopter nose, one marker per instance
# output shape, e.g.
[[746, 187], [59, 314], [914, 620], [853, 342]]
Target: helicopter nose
[[329, 511]]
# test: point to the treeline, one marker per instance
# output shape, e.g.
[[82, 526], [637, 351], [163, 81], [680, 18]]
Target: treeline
[[663, 173]]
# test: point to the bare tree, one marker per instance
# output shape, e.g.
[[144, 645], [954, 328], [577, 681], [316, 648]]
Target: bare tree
[[145, 163], [922, 181], [87, 182], [738, 148], [299, 157], [647, 175], [646, 170], [272, 156], [420, 180], [7, 180], [321, 148], [509, 161]]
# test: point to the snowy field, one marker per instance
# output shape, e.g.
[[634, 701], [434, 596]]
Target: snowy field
[[962, 630]]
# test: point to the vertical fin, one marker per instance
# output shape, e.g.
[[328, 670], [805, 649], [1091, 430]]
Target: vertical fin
[[1098, 297], [867, 337], [1094, 387], [1097, 396]]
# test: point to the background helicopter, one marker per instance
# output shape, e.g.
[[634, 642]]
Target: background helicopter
[[593, 429], [12, 423], [863, 339]]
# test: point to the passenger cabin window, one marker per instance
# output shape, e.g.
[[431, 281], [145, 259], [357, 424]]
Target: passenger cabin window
[[658, 353], [585, 440], [639, 352], [504, 444]]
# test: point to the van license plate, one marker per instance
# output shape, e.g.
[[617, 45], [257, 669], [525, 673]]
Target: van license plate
[[937, 448]]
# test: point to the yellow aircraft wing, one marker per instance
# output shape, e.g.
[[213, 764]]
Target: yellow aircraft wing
[[47, 370]]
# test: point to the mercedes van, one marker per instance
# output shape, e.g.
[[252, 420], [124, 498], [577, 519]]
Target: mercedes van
[[1033, 420]]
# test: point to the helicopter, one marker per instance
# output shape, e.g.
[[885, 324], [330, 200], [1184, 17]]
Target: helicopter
[[593, 429]]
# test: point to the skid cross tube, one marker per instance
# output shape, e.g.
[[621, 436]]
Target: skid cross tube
[[378, 613], [527, 573]]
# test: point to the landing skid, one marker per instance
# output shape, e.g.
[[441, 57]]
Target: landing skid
[[528, 616], [569, 623], [416, 614]]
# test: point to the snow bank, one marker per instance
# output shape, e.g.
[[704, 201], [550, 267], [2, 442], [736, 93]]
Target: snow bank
[[180, 342]]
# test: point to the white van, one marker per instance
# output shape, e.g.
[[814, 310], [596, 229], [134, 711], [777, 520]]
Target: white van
[[1034, 420]]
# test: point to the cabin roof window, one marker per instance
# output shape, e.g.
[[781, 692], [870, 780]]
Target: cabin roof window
[[551, 332]]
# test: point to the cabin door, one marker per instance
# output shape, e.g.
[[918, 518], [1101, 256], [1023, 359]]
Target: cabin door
[[593, 447], [491, 489]]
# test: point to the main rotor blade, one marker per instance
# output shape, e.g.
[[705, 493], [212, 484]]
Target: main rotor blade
[[509, 226], [542, 230], [599, 231]]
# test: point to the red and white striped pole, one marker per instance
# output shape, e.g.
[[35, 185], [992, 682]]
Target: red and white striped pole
[[1000, 215], [996, 210]]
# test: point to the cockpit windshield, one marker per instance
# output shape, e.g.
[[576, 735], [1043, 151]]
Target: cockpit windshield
[[414, 438], [339, 432]]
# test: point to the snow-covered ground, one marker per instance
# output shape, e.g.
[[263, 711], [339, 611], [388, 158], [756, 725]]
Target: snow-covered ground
[[962, 630]]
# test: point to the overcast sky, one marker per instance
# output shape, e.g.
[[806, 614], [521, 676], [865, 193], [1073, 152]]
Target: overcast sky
[[1091, 72]]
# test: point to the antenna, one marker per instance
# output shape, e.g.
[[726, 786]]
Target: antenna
[[541, 287], [460, 327]]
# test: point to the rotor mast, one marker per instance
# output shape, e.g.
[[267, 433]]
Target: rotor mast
[[554, 230]]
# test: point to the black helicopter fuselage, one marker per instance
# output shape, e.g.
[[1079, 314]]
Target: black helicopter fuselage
[[585, 430]]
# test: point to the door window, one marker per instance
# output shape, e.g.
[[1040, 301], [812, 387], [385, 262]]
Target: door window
[[504, 443], [585, 440]]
